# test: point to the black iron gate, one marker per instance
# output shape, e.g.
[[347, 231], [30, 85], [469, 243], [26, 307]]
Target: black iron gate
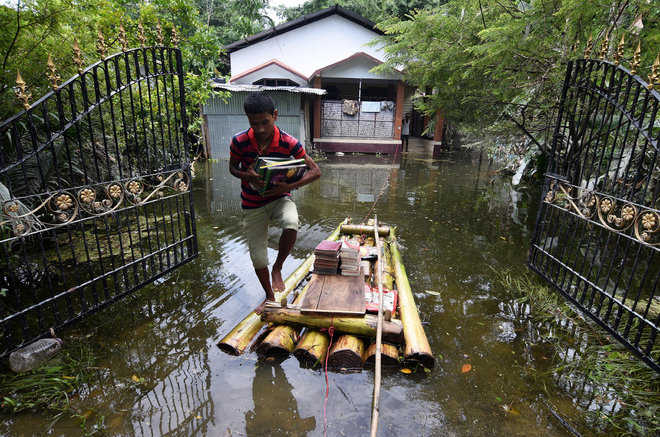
[[597, 235], [95, 197]]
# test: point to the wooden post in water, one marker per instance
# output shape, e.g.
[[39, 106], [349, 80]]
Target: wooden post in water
[[389, 355], [346, 353], [379, 333], [311, 348]]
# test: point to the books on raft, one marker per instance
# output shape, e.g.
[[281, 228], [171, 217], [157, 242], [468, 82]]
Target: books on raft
[[326, 257], [349, 257], [276, 170]]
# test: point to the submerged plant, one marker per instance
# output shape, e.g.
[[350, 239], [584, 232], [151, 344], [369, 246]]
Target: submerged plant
[[615, 388], [48, 387]]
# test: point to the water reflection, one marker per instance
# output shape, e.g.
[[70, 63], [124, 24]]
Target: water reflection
[[222, 190], [355, 182], [275, 409]]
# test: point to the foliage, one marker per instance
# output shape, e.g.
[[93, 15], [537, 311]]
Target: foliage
[[234, 19], [502, 63], [36, 28], [370, 9]]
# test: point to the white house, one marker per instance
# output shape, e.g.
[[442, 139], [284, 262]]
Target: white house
[[327, 56]]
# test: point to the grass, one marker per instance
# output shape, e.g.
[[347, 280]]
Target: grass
[[615, 376], [50, 388]]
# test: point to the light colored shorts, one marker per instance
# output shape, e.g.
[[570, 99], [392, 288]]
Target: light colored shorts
[[281, 212]]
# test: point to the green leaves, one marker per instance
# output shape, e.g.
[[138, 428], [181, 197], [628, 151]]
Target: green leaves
[[514, 63]]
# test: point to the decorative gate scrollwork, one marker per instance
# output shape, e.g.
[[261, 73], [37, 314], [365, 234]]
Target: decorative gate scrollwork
[[597, 235], [95, 189]]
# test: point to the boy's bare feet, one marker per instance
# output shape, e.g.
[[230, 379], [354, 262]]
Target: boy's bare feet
[[260, 309], [277, 282]]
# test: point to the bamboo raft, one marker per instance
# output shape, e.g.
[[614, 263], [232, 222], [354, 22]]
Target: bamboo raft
[[287, 329]]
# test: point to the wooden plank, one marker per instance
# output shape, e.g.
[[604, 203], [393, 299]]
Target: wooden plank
[[311, 300], [340, 295], [343, 294]]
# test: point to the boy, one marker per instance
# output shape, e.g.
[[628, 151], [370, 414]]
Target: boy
[[275, 206]]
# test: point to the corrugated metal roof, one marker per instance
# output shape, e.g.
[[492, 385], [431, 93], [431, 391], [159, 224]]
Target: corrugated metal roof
[[253, 88]]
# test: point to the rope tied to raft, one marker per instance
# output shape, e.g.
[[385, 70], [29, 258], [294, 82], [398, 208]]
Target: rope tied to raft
[[331, 332]]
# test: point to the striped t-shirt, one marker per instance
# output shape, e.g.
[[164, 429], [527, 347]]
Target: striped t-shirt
[[244, 148]]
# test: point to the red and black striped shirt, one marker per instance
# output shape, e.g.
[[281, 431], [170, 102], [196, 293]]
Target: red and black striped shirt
[[244, 148]]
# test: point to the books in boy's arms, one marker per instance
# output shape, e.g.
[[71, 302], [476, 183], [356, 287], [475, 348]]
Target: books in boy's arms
[[275, 170]]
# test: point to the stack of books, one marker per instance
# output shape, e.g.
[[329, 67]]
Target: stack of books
[[349, 255], [275, 170], [326, 257]]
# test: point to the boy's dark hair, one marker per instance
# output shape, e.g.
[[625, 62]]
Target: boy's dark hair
[[257, 103]]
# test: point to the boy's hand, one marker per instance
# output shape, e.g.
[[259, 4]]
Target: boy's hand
[[253, 178], [278, 189]]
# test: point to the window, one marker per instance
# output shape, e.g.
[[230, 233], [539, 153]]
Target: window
[[275, 82]]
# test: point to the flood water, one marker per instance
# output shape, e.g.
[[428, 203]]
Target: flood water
[[161, 373]]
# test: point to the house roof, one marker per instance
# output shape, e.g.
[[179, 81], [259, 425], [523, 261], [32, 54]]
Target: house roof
[[302, 21], [266, 64], [354, 56]]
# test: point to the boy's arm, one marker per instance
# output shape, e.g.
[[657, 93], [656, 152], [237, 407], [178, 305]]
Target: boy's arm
[[249, 175]]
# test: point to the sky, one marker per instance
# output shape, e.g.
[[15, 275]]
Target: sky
[[287, 3]]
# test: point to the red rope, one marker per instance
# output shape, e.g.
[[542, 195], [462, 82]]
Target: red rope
[[331, 331]]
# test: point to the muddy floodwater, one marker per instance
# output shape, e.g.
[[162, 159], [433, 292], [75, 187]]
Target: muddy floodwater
[[159, 371]]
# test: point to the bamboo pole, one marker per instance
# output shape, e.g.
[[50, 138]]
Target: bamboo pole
[[383, 231], [346, 353], [240, 337], [363, 326], [388, 271], [282, 339], [311, 348], [417, 346], [389, 355], [379, 333]]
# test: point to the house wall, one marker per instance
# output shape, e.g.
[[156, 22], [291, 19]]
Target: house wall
[[408, 100], [272, 71], [335, 123], [227, 119], [357, 68], [310, 47]]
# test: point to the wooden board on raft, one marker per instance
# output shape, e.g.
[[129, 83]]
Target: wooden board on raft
[[335, 294]]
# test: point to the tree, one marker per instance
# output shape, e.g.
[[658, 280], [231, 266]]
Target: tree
[[371, 9], [234, 19], [35, 29], [501, 63]]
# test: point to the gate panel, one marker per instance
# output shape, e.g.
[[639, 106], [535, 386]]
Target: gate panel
[[95, 192], [597, 235]]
